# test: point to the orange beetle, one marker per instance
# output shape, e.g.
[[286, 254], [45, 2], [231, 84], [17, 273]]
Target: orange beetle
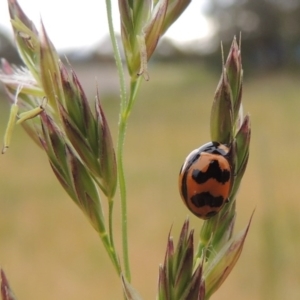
[[205, 180]]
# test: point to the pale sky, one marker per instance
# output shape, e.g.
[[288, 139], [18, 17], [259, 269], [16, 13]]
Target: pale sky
[[83, 23]]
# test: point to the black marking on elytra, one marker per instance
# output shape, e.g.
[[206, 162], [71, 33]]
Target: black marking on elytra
[[207, 199], [213, 171], [184, 189], [210, 214]]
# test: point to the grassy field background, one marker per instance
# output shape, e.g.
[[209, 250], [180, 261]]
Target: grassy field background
[[50, 251]]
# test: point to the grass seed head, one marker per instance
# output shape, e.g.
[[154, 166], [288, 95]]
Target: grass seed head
[[142, 25]]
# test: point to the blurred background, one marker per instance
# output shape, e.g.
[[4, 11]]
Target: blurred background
[[48, 248]]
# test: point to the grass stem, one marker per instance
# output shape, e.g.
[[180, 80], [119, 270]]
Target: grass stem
[[121, 137]]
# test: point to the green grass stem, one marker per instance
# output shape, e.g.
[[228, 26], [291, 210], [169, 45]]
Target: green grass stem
[[121, 137]]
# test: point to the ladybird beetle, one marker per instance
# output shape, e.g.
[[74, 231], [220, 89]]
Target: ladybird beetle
[[205, 179]]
